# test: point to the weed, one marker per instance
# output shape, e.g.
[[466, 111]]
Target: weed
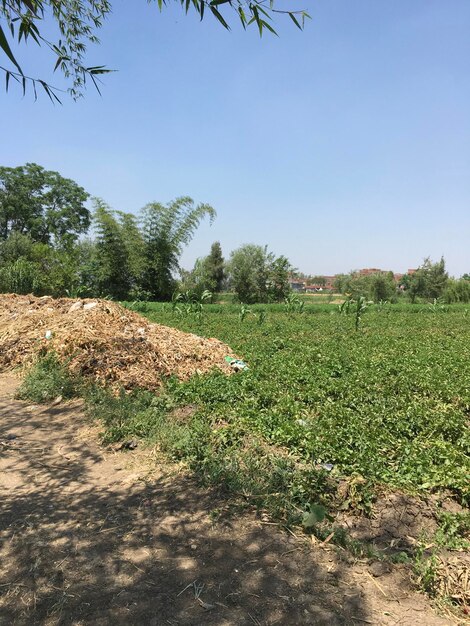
[[425, 569], [453, 532], [47, 380], [261, 317], [122, 415], [140, 306]]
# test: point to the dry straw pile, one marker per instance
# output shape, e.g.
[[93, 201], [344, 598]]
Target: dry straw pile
[[453, 579], [103, 340]]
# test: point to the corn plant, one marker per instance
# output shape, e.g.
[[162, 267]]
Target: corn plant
[[382, 306], [190, 303], [357, 306], [345, 307], [244, 311], [437, 307], [293, 304], [360, 308]]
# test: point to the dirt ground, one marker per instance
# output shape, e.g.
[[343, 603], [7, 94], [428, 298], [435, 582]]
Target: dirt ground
[[90, 536]]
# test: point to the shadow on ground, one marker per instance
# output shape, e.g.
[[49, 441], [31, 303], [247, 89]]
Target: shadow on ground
[[86, 540]]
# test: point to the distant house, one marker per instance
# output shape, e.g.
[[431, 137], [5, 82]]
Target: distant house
[[297, 285], [329, 280], [313, 288], [370, 271]]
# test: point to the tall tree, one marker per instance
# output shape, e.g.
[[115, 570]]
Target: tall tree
[[112, 260], [382, 286], [256, 275], [196, 280], [42, 204], [167, 228], [215, 267], [78, 21], [135, 248], [429, 281], [279, 272], [457, 291]]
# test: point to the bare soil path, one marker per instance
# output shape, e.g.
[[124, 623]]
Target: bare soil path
[[89, 536]]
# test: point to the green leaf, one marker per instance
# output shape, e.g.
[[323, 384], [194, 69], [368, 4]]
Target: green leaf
[[316, 515], [30, 6], [242, 15], [269, 27], [58, 62], [98, 69], [6, 49], [295, 20], [219, 17]]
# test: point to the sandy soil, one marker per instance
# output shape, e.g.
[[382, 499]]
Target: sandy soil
[[90, 536]]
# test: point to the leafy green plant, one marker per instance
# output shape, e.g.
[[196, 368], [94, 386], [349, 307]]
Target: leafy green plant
[[141, 306], [360, 307], [383, 306], [425, 571], [316, 514], [345, 307], [371, 404], [453, 532], [437, 306], [122, 415], [47, 380], [261, 317], [357, 306], [244, 311], [190, 302], [293, 304]]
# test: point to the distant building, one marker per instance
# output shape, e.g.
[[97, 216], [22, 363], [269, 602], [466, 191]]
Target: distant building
[[328, 285], [297, 285], [329, 280], [369, 271], [313, 288]]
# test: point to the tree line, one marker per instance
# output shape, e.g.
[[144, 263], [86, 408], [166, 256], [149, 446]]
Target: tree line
[[52, 244], [429, 282], [46, 247]]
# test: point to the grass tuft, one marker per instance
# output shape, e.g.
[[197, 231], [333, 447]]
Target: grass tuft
[[47, 380]]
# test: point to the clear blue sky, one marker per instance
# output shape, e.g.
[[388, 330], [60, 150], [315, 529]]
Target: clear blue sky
[[345, 146]]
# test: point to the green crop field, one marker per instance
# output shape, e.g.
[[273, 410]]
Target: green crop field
[[389, 402]]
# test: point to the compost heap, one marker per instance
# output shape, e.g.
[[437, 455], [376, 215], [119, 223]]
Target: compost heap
[[104, 341]]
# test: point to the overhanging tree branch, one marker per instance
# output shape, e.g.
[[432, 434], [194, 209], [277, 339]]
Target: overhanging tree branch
[[79, 20]]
